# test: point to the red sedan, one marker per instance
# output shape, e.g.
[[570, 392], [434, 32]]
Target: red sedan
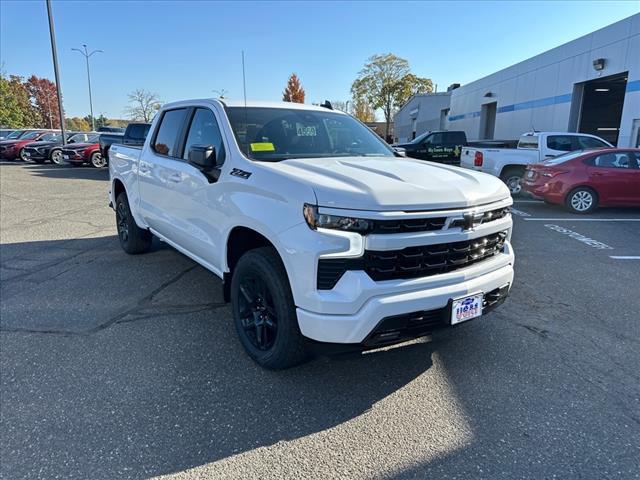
[[14, 148], [584, 180], [77, 154]]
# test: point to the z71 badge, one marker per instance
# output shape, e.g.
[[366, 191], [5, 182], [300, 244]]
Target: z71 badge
[[236, 172]]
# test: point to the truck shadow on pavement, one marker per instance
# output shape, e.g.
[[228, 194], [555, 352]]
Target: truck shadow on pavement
[[84, 172], [129, 366]]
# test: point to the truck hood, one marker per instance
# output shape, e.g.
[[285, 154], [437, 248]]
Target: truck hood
[[384, 183]]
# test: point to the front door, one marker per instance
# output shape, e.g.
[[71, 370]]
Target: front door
[[613, 175]]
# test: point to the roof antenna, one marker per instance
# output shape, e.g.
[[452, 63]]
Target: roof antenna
[[246, 122], [327, 104]]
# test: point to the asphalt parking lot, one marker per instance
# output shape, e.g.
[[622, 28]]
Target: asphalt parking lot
[[115, 366]]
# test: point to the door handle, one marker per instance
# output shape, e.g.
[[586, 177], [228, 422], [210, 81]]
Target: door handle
[[175, 178], [597, 174]]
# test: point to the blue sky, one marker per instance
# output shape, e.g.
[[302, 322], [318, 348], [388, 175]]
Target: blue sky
[[188, 49]]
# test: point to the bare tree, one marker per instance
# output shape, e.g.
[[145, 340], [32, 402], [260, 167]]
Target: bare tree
[[144, 105]]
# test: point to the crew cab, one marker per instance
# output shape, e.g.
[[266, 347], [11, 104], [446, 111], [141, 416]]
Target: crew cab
[[77, 154], [135, 134], [509, 164], [321, 234]]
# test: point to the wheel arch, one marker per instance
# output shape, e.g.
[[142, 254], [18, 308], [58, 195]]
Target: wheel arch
[[511, 166], [240, 240]]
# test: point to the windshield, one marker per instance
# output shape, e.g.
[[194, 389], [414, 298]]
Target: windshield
[[30, 135], [274, 134], [420, 138], [14, 135], [564, 158]]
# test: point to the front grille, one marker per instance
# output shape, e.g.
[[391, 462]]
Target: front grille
[[408, 225], [412, 262]]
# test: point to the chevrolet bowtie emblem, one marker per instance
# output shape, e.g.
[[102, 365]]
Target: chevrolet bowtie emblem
[[472, 220]]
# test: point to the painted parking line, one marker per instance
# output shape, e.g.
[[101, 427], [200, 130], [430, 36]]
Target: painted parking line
[[583, 219], [625, 257], [520, 213]]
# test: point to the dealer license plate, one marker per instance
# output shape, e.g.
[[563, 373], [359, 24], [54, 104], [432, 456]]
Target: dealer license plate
[[466, 308], [66, 157]]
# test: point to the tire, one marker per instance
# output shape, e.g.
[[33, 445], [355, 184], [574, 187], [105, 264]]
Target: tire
[[22, 155], [263, 311], [56, 157], [512, 177], [133, 239], [581, 200], [97, 161]]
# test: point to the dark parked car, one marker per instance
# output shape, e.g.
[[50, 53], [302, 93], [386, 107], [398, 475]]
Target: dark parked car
[[585, 180], [51, 149], [134, 135], [14, 148]]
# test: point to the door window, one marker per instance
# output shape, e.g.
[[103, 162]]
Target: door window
[[434, 139], [166, 140], [454, 138], [615, 160], [204, 130], [560, 142], [585, 143]]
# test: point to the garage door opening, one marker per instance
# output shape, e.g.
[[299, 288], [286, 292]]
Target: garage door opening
[[601, 111]]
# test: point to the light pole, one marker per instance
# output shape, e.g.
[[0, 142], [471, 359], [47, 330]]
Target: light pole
[[54, 54], [86, 56]]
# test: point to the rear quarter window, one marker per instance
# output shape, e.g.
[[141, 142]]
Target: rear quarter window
[[528, 142]]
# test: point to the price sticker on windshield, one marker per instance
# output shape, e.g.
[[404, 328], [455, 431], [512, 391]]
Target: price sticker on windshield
[[263, 147], [305, 130]]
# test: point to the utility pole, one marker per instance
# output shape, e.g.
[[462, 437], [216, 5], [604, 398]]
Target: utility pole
[[54, 52], [86, 56]]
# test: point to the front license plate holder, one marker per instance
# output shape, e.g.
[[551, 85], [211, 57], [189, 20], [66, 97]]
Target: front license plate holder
[[466, 308]]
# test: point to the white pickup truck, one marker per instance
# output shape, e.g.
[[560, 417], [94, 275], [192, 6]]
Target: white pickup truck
[[321, 234], [509, 164]]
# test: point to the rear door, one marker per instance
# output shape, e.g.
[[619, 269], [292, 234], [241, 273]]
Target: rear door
[[157, 167], [197, 220], [613, 175]]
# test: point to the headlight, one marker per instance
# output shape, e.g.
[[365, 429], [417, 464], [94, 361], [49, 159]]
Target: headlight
[[317, 220]]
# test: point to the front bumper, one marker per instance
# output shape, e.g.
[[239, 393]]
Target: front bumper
[[360, 326], [33, 154]]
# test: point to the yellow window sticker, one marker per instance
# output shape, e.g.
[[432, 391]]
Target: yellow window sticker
[[263, 147]]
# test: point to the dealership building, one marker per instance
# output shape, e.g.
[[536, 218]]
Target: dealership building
[[589, 85]]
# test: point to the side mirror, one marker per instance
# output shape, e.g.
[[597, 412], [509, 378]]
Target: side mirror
[[203, 157]]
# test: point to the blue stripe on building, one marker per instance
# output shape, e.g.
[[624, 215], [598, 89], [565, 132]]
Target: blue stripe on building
[[633, 86], [540, 102]]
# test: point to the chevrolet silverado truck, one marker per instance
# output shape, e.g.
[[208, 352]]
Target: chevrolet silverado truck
[[509, 164], [321, 234]]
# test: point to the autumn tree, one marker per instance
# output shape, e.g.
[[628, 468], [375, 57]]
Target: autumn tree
[[16, 110], [99, 122], [294, 91], [144, 105], [362, 110], [77, 124], [44, 98], [386, 82]]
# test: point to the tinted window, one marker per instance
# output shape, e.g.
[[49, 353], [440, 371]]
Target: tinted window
[[615, 160], [204, 131], [455, 138], [30, 136], [560, 142], [435, 139], [138, 131], [588, 142], [51, 137], [170, 127]]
